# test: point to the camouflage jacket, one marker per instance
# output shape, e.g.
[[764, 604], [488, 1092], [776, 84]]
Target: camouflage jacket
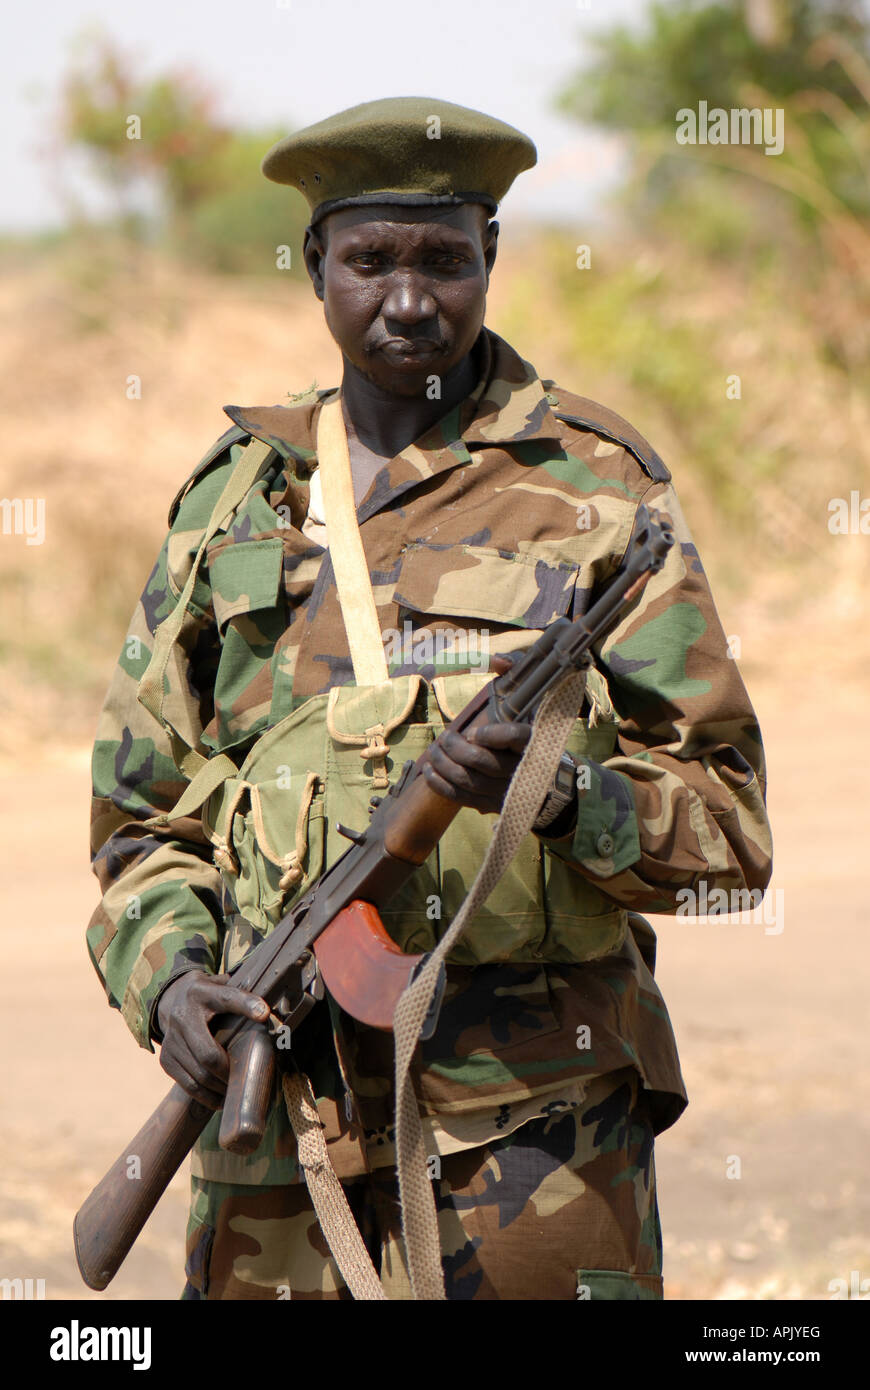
[[512, 510]]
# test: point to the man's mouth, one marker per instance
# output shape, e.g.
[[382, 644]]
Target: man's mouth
[[409, 349]]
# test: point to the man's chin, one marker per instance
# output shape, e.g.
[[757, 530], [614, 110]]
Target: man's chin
[[406, 376]]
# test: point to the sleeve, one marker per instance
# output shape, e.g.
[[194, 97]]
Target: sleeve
[[160, 913], [682, 800]]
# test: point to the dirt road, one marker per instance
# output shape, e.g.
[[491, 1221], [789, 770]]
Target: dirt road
[[770, 1017]]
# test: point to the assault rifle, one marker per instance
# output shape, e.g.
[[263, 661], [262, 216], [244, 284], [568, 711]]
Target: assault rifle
[[333, 936]]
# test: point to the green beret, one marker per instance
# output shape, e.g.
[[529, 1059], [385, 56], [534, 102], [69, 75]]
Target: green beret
[[412, 150]]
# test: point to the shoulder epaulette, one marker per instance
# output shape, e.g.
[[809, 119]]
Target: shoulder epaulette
[[592, 416], [232, 436]]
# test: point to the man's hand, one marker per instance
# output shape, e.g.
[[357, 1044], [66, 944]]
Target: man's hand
[[189, 1053], [475, 769]]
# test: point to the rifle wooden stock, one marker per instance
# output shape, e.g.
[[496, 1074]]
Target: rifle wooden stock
[[117, 1209], [416, 826]]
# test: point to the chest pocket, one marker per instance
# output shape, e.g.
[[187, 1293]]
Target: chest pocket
[[485, 588], [245, 576], [251, 616]]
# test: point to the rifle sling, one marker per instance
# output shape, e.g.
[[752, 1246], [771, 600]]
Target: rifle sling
[[527, 790], [326, 1192]]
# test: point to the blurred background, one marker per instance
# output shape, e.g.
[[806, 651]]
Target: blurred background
[[714, 294]]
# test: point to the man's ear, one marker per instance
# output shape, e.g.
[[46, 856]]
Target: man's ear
[[313, 252], [490, 246]]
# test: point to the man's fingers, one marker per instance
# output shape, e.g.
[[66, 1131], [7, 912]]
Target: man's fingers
[[207, 1063], [475, 768], [194, 1038], [504, 661], [454, 751], [502, 736], [500, 664], [224, 999], [211, 1099], [466, 770], [186, 1077], [189, 1048], [477, 801]]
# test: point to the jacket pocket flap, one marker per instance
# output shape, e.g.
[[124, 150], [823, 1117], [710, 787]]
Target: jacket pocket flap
[[518, 590], [245, 576]]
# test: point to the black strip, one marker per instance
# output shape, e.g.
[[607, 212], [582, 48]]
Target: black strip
[[421, 200]]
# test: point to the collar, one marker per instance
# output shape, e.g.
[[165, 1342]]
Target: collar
[[511, 405], [508, 406]]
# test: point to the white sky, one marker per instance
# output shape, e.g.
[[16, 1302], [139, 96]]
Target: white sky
[[292, 62]]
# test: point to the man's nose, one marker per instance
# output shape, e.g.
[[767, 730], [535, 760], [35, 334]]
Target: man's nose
[[408, 301]]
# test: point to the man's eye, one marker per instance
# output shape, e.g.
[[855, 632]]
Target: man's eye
[[367, 258]]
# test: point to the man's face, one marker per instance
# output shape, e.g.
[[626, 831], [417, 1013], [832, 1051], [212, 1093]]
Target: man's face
[[403, 289]]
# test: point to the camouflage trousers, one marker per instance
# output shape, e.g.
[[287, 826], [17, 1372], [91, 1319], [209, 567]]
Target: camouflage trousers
[[563, 1208]]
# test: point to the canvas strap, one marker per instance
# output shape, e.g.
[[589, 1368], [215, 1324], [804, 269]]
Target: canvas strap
[[346, 551], [528, 788], [326, 1192], [152, 688]]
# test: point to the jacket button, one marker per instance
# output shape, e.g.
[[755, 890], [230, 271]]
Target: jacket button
[[604, 845]]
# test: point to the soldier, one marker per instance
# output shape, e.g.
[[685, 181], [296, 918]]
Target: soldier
[[489, 502]]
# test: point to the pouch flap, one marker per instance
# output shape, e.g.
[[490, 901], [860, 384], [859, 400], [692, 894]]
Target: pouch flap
[[453, 692], [600, 704], [352, 709]]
